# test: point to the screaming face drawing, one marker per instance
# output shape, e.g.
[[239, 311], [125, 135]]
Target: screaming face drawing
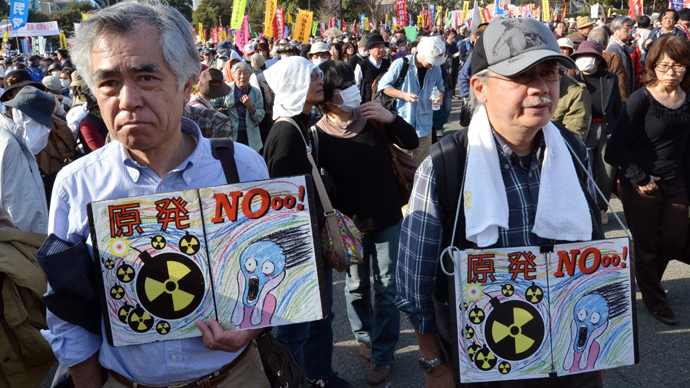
[[589, 322], [263, 266]]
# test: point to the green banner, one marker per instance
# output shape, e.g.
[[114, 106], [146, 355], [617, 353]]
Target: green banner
[[314, 28], [238, 7]]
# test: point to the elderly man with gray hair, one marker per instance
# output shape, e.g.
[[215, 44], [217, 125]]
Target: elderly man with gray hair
[[622, 30], [140, 61]]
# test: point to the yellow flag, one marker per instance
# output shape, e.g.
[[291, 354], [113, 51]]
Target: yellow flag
[[222, 35], [465, 10], [85, 16], [545, 8], [303, 26], [420, 21], [289, 18], [366, 23], [270, 14]]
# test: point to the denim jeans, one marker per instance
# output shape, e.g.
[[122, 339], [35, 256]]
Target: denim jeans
[[380, 325], [312, 342]]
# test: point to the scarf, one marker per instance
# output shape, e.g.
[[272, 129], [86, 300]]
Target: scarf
[[345, 130]]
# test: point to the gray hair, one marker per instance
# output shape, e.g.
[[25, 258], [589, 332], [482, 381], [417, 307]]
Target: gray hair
[[619, 21], [176, 40], [240, 65], [600, 36], [482, 76]]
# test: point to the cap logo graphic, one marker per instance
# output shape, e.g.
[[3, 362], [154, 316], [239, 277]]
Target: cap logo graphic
[[11, 80], [518, 39]]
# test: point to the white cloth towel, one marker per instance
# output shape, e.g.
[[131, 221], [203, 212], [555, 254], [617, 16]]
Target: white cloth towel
[[562, 210]]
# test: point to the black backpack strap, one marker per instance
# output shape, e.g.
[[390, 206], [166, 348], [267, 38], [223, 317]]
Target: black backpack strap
[[403, 73], [448, 160], [223, 149]]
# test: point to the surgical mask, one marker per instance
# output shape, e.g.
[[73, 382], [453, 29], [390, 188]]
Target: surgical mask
[[586, 63], [65, 83], [402, 49], [56, 73], [318, 61], [35, 133], [364, 53], [350, 98]]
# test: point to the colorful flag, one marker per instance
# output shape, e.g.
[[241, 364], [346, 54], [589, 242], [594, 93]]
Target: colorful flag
[[238, 7], [201, 33], [19, 13], [242, 33], [302, 30], [465, 9], [270, 15], [280, 23], [545, 7], [401, 9]]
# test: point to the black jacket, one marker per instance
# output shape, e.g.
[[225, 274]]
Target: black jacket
[[610, 97]]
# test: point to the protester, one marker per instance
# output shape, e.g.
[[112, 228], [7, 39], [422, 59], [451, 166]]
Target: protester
[[368, 70], [245, 107], [349, 50], [54, 88], [336, 51], [160, 151], [561, 30], [648, 144], [414, 96], [453, 55], [319, 53], [566, 46], [614, 62], [606, 106], [22, 195], [512, 138], [353, 148], [584, 26], [362, 52], [64, 58], [33, 69], [298, 86], [622, 27], [574, 110], [668, 26]]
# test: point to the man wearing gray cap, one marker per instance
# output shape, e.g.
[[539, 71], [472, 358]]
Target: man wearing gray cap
[[498, 165]]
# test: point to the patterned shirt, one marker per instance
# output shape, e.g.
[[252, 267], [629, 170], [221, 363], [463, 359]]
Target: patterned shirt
[[110, 173], [421, 236]]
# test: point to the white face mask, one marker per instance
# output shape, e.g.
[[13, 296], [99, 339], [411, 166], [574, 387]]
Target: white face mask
[[65, 83], [402, 49], [35, 133], [586, 63], [364, 53], [350, 98], [56, 73], [318, 61]]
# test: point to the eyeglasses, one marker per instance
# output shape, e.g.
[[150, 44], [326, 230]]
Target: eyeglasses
[[663, 67], [345, 85], [550, 75]]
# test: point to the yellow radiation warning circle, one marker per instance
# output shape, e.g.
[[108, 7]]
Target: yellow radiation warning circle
[[469, 332], [504, 367], [170, 285], [507, 290], [534, 294], [163, 327], [109, 264], [472, 350], [123, 312], [125, 273], [514, 330], [158, 242], [117, 292], [139, 320], [484, 359], [477, 315], [189, 245]]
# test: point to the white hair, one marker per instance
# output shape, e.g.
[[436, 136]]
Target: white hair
[[482, 76], [175, 36]]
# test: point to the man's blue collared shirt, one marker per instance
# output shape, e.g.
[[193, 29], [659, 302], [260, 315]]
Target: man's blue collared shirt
[[111, 173], [417, 114]]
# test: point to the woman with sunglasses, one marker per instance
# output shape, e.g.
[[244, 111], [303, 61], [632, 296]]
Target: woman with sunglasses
[[353, 149], [649, 146]]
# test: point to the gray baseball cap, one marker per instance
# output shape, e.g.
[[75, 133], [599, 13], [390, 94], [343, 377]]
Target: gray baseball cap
[[510, 46]]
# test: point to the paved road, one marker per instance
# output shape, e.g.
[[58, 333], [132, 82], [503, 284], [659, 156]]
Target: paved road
[[664, 357]]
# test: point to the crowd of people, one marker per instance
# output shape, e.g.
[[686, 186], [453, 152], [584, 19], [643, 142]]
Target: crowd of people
[[128, 109]]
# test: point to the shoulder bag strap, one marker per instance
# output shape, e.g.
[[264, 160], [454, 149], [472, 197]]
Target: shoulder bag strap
[[223, 149], [331, 220]]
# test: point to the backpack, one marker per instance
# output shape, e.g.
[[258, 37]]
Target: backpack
[[449, 160], [382, 98]]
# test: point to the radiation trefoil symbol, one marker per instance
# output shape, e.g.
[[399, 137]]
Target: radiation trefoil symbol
[[139, 320], [515, 329], [170, 285]]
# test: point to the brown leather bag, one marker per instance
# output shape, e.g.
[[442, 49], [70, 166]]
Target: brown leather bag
[[404, 166]]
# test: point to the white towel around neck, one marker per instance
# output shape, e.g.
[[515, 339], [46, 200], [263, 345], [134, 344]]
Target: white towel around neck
[[562, 210]]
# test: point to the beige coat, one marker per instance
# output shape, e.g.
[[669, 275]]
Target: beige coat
[[574, 109]]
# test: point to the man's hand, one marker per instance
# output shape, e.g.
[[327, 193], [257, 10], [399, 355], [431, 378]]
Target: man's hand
[[215, 338], [648, 43], [375, 111], [247, 102], [410, 97], [441, 377], [439, 99], [650, 187]]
